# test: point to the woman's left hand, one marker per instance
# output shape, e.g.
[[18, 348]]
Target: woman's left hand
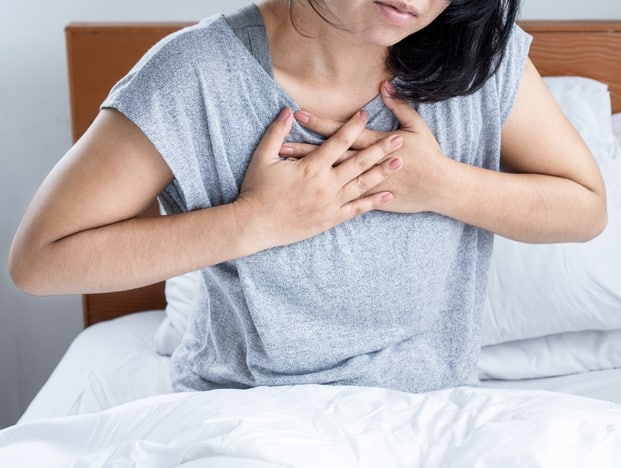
[[424, 164]]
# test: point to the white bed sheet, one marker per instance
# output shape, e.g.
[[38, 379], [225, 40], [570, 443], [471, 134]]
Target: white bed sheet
[[602, 385], [115, 362], [108, 364]]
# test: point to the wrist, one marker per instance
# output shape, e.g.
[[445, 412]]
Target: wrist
[[445, 187], [467, 192], [249, 232]]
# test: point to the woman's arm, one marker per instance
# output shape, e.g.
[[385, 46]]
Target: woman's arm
[[81, 232], [552, 190]]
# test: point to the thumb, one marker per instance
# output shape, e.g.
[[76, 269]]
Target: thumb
[[269, 147], [407, 116]]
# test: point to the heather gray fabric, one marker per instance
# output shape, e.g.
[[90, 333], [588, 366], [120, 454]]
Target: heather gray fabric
[[386, 299], [247, 24]]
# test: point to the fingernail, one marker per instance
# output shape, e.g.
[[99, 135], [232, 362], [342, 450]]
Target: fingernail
[[396, 141], [284, 114], [364, 115], [387, 198], [286, 150], [388, 88], [395, 164], [302, 117]]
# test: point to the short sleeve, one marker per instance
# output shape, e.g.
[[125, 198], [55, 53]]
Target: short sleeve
[[509, 74], [161, 96]]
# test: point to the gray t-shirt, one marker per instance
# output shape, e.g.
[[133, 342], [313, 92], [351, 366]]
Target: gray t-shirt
[[386, 299]]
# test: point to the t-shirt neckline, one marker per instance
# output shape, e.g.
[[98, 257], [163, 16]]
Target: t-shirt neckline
[[372, 107]]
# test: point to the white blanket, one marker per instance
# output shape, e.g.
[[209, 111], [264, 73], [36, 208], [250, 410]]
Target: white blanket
[[323, 426]]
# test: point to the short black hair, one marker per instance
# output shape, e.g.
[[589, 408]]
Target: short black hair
[[455, 54]]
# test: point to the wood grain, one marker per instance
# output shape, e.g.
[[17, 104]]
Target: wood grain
[[591, 49]]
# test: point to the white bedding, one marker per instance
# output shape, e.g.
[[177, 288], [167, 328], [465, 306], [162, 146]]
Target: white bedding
[[329, 426], [117, 388], [114, 362], [108, 364], [616, 126], [603, 385]]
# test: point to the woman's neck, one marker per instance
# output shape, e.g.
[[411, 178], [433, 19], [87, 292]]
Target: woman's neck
[[325, 69]]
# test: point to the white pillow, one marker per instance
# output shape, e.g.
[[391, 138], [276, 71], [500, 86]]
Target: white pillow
[[180, 293], [586, 104], [544, 289], [616, 128], [554, 355]]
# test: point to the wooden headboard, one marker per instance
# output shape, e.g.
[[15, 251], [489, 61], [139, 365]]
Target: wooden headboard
[[99, 54], [579, 48]]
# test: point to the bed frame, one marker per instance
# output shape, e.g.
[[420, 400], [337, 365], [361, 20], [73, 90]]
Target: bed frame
[[99, 54]]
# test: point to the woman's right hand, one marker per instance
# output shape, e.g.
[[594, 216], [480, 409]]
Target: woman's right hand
[[288, 200]]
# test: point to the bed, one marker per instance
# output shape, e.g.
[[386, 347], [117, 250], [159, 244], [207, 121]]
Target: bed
[[548, 389]]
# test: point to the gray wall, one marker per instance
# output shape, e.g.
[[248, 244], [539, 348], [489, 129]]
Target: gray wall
[[571, 9], [34, 133]]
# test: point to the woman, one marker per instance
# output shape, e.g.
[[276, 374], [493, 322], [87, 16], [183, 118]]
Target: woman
[[358, 259]]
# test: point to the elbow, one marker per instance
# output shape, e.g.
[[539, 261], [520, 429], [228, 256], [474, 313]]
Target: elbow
[[20, 276], [23, 272], [599, 225], [598, 221]]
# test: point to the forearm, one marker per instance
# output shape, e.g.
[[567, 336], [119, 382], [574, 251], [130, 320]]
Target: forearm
[[130, 253], [524, 207]]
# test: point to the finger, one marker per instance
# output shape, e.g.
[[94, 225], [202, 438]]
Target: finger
[[367, 158], [300, 150], [321, 125], [330, 151], [328, 127], [268, 148], [371, 179], [297, 150], [364, 205], [407, 116], [345, 156]]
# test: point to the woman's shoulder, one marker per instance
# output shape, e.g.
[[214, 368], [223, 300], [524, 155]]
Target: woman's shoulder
[[515, 53], [508, 76], [207, 39]]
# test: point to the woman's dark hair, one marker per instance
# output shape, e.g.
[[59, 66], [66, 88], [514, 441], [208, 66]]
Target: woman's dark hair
[[455, 54]]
